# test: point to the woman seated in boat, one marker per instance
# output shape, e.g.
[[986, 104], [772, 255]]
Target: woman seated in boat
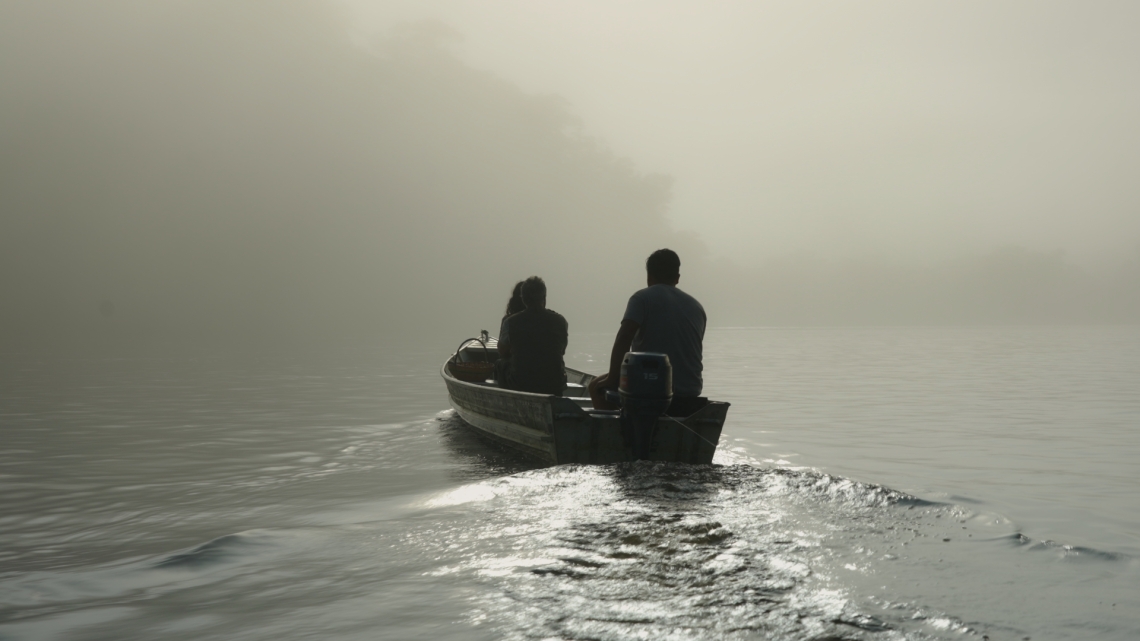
[[533, 343], [514, 306]]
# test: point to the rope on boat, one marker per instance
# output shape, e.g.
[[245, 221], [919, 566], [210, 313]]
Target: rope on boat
[[691, 430]]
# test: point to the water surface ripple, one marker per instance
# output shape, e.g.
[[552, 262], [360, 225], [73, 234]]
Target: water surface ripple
[[335, 496]]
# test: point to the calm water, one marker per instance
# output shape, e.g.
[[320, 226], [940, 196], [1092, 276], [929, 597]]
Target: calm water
[[871, 484]]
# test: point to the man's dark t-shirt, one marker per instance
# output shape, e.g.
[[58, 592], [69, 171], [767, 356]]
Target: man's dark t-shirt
[[672, 322], [538, 342]]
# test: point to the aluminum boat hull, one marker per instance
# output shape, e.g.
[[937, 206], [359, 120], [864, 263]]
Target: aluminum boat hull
[[564, 429]]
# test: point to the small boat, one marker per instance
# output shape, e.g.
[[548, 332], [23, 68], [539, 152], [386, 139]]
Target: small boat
[[566, 429]]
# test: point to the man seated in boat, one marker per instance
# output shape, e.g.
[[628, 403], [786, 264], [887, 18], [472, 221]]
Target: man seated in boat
[[660, 318], [534, 342]]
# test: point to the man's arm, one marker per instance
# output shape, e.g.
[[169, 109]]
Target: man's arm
[[621, 345], [612, 378]]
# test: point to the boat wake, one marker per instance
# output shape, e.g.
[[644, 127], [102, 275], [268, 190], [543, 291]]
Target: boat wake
[[643, 550], [668, 551]]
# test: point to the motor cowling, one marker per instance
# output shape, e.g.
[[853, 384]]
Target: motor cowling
[[646, 379], [646, 390]]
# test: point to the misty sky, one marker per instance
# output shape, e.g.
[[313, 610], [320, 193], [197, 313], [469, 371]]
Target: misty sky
[[340, 168], [912, 129]]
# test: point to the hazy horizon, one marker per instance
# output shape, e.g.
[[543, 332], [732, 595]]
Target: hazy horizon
[[206, 170], [896, 130]]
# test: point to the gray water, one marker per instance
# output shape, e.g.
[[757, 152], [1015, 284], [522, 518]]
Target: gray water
[[933, 483]]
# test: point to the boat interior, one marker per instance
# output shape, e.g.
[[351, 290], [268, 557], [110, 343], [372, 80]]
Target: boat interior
[[577, 382], [485, 350]]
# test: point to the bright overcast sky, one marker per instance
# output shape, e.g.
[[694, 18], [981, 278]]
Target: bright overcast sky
[[885, 128]]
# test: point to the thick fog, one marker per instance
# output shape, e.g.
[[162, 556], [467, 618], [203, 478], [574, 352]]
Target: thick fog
[[889, 127], [313, 170]]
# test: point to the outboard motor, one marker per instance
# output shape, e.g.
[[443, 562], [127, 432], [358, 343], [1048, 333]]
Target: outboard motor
[[646, 390]]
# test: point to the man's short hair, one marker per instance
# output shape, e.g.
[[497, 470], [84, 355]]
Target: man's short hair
[[663, 265], [534, 291]]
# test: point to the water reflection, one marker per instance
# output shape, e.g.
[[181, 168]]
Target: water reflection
[[478, 457]]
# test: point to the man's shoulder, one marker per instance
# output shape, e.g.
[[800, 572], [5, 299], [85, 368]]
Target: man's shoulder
[[687, 297], [648, 293], [559, 318], [665, 292]]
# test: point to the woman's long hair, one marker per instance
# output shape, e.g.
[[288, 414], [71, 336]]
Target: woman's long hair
[[516, 305]]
